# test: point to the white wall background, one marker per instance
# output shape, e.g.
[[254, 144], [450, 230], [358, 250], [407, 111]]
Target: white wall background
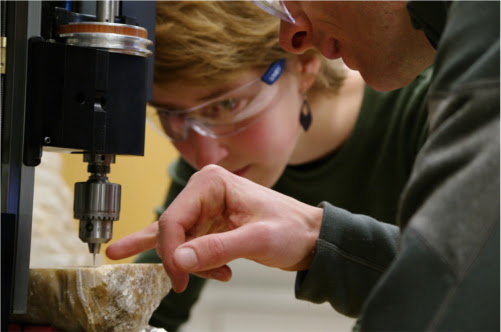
[[259, 298]]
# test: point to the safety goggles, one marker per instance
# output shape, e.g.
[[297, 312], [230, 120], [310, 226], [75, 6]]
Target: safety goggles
[[225, 115], [276, 8]]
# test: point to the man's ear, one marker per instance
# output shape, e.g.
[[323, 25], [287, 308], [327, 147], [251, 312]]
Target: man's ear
[[309, 64]]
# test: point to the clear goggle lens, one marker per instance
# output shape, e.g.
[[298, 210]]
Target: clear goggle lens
[[224, 116], [276, 8]]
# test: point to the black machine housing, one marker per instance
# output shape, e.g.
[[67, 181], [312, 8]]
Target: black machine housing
[[81, 98]]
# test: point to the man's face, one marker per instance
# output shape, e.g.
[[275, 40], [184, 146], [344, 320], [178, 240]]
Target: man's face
[[375, 38]]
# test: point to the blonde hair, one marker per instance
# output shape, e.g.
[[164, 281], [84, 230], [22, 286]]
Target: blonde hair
[[211, 42]]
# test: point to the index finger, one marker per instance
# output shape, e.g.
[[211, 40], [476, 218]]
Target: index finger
[[202, 200], [134, 244]]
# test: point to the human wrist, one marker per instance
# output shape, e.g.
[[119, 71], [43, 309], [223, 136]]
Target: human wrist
[[314, 223]]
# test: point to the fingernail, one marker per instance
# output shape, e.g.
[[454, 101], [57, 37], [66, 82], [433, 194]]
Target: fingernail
[[186, 258]]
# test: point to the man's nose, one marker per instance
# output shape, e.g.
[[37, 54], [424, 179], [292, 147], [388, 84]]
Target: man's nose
[[296, 38], [207, 150]]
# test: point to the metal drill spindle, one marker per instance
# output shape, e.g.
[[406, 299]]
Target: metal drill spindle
[[105, 10]]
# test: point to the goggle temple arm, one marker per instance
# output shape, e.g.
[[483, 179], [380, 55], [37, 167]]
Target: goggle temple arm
[[276, 8], [274, 71]]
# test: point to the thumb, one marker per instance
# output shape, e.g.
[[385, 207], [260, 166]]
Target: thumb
[[215, 250]]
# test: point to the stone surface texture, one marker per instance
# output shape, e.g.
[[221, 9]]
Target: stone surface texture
[[118, 297]]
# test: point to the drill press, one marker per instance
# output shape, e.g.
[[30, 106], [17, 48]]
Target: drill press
[[97, 201], [75, 79]]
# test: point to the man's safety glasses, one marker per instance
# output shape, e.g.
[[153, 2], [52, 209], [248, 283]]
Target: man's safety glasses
[[276, 8], [225, 115]]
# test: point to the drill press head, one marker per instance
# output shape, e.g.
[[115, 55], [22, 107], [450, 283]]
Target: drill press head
[[97, 202]]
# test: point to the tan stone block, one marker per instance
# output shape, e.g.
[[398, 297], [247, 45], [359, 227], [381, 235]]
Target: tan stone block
[[117, 297]]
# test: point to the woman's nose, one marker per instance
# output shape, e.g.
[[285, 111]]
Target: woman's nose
[[207, 150], [296, 38]]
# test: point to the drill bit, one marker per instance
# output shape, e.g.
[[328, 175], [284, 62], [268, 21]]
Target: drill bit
[[94, 249]]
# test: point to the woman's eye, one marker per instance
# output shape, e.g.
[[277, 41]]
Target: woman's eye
[[227, 105], [222, 108]]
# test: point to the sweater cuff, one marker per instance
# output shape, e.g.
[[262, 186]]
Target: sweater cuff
[[352, 252]]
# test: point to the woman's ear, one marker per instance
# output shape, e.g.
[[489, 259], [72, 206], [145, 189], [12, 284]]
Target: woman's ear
[[309, 64]]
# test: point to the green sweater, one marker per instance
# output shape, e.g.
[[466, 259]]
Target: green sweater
[[445, 274], [365, 176]]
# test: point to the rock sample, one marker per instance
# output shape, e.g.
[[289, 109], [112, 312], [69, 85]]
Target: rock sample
[[116, 297]]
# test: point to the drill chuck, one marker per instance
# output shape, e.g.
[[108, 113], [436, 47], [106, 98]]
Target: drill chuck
[[96, 205]]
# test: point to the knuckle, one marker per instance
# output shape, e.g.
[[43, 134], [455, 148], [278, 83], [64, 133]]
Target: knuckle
[[216, 248], [210, 170], [159, 251], [163, 220]]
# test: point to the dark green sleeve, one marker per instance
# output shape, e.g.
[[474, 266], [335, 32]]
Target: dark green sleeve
[[445, 276], [352, 252], [174, 310]]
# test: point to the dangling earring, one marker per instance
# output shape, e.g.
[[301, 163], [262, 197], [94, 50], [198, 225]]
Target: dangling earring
[[305, 114]]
